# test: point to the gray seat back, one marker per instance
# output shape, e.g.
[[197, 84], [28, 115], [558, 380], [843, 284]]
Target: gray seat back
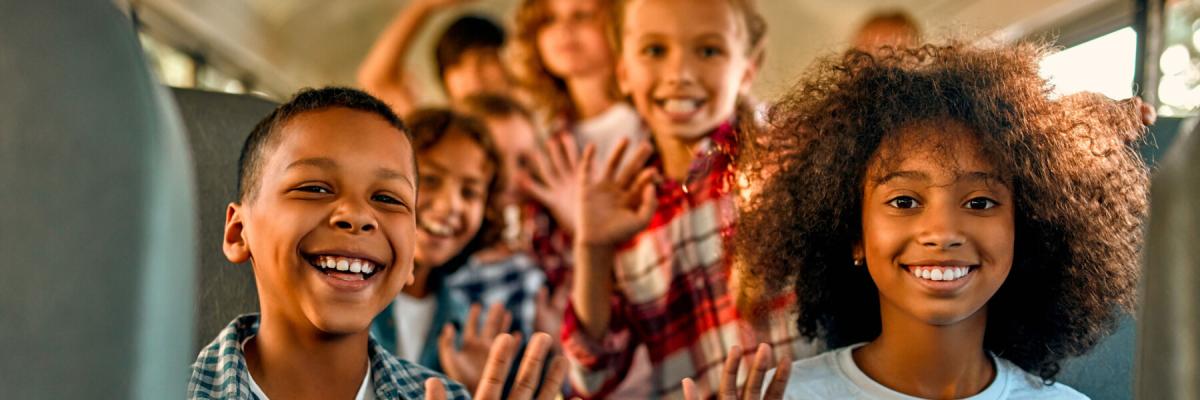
[[1169, 327], [96, 213], [217, 125]]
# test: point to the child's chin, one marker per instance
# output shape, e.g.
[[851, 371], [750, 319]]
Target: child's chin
[[342, 323]]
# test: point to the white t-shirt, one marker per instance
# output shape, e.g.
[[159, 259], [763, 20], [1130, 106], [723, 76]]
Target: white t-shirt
[[413, 317], [619, 120], [366, 391], [834, 375]]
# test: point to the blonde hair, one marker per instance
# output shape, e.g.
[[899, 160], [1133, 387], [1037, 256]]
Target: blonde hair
[[550, 94], [752, 20]]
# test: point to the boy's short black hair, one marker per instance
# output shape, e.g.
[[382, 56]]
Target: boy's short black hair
[[263, 137], [469, 32]]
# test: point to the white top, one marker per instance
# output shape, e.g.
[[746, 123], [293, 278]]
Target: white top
[[366, 391], [834, 375], [619, 120], [413, 317]]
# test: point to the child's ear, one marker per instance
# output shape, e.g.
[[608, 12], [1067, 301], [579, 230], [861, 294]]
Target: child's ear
[[234, 244], [754, 63], [860, 255]]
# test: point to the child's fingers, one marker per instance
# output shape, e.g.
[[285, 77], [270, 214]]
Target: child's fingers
[[614, 158], [558, 156], [447, 352], [689, 389], [572, 150], [495, 369], [495, 318], [783, 372], [531, 366], [434, 390], [538, 165], [586, 167], [554, 379], [635, 164], [506, 324], [649, 204], [728, 386], [472, 328], [758, 368], [531, 187]]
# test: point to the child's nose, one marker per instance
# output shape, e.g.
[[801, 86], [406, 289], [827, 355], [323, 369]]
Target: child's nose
[[679, 69], [353, 219], [940, 230]]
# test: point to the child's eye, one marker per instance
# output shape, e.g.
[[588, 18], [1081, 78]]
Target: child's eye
[[313, 189], [981, 203], [904, 202], [710, 51], [654, 50], [582, 16], [383, 198]]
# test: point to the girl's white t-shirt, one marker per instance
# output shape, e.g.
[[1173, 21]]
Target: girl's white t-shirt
[[619, 120], [413, 317], [366, 391], [835, 375]]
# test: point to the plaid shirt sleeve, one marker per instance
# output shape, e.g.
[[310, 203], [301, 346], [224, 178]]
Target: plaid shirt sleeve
[[599, 366]]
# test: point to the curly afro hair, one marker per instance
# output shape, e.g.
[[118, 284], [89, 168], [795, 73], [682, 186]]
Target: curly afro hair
[[1079, 188]]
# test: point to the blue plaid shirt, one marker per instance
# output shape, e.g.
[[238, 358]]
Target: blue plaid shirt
[[220, 371]]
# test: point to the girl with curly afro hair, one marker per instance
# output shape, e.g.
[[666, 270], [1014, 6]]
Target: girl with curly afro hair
[[948, 227]]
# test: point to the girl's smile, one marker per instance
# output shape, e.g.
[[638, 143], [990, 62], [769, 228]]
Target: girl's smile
[[938, 229]]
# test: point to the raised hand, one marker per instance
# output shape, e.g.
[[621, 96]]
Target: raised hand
[[550, 179], [465, 364], [617, 201], [752, 390], [496, 367]]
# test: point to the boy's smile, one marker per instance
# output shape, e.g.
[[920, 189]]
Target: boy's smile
[[330, 232]]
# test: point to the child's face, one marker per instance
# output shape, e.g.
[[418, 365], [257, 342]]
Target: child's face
[[933, 204], [513, 136], [572, 42], [477, 71], [337, 188], [454, 178], [684, 62]]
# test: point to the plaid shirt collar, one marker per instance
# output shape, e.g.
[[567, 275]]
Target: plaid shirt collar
[[711, 171], [220, 370]]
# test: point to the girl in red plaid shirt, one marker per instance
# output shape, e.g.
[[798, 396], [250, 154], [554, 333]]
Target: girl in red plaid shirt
[[653, 264]]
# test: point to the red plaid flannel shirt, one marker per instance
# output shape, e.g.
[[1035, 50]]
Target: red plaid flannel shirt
[[672, 292]]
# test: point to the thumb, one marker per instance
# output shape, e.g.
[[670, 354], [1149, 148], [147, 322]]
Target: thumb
[[434, 390], [689, 389], [649, 204]]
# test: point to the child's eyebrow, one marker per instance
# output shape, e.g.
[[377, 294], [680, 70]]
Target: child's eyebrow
[[914, 175], [319, 162], [388, 173]]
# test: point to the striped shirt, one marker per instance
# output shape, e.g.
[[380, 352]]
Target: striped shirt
[[672, 291], [220, 371], [513, 282]]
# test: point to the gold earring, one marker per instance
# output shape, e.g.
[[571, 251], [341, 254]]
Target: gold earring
[[858, 262]]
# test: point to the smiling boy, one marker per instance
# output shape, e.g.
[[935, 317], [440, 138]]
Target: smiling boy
[[325, 214]]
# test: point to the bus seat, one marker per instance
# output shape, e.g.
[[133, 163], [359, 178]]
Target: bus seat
[[1168, 365], [96, 213], [1106, 372], [217, 125]]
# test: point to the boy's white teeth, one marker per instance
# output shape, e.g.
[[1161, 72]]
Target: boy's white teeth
[[676, 106], [346, 264], [940, 273]]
